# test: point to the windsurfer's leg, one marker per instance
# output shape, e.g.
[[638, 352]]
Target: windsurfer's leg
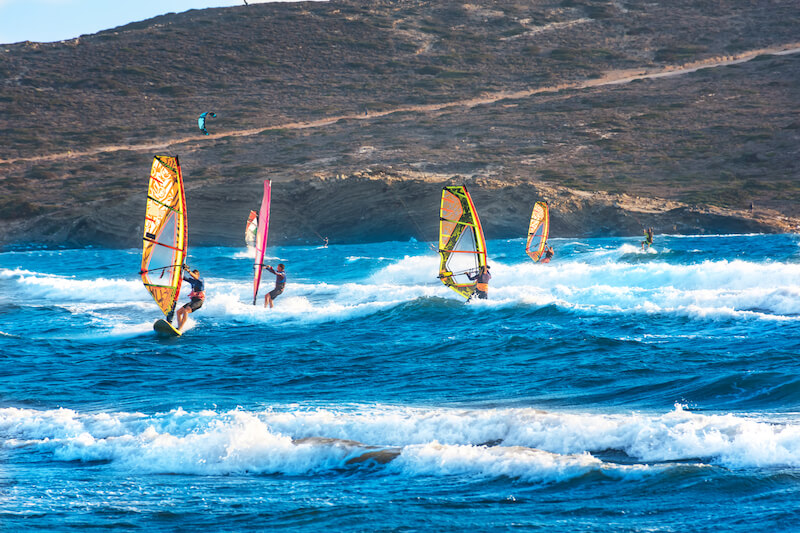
[[183, 314]]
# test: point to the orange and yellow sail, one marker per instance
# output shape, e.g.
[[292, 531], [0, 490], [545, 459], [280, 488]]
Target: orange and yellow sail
[[537, 231], [165, 237], [462, 247]]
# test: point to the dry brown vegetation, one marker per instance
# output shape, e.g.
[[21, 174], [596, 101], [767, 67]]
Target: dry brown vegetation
[[725, 136]]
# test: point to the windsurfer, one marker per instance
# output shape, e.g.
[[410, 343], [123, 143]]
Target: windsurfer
[[548, 254], [325, 242], [280, 283], [648, 238], [482, 286], [197, 296]]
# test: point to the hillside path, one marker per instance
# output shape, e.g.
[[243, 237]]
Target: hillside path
[[614, 77]]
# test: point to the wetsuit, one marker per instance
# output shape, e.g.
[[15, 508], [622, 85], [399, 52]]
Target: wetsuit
[[482, 285], [280, 283], [548, 255], [198, 294]]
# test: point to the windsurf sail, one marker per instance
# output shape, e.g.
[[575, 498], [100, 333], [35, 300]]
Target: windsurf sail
[[261, 236], [165, 233], [462, 246], [250, 229], [537, 231]]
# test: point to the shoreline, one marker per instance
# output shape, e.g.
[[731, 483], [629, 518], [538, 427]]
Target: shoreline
[[385, 206]]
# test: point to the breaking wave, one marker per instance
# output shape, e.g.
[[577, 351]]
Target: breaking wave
[[526, 444]]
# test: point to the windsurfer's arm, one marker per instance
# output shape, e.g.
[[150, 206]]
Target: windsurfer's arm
[[269, 268]]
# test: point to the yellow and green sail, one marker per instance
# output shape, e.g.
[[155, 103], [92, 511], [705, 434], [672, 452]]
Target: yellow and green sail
[[462, 247], [537, 231], [165, 234]]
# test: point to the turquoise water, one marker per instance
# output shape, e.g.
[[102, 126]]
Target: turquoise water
[[609, 390]]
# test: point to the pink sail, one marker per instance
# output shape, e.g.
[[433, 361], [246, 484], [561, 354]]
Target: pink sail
[[261, 237]]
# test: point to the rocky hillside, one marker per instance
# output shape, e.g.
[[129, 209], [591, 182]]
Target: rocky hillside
[[502, 94]]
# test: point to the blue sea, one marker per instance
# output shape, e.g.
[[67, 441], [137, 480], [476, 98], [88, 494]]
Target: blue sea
[[610, 390]]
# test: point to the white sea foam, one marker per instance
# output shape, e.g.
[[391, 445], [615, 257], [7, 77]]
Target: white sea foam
[[594, 281], [58, 289], [516, 462], [250, 253], [712, 289], [533, 445]]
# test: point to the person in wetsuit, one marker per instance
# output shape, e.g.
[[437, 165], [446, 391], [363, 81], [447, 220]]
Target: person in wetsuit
[[197, 296], [482, 285], [548, 254], [648, 238], [280, 283]]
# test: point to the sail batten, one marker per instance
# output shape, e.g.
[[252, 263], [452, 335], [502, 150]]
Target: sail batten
[[462, 247], [261, 236], [538, 231], [170, 207], [165, 237]]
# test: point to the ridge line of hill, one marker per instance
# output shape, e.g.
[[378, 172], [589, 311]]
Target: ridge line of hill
[[614, 77]]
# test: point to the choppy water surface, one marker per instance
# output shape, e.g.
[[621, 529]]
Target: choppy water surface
[[609, 390]]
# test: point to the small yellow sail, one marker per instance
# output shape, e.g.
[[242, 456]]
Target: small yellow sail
[[538, 230]]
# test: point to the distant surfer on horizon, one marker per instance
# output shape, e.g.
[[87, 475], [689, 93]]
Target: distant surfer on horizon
[[548, 254], [280, 284], [648, 238], [482, 286], [197, 296]]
